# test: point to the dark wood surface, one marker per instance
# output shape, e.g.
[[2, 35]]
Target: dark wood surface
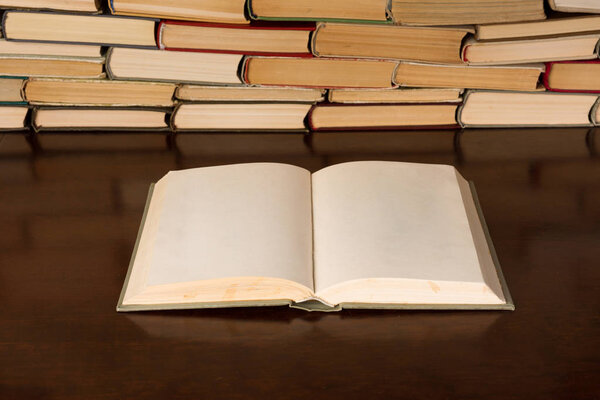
[[70, 209]]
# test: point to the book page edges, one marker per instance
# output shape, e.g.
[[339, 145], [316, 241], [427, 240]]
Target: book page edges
[[468, 93]]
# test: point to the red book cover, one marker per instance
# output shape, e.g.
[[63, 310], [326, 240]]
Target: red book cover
[[546, 76], [311, 126], [271, 26]]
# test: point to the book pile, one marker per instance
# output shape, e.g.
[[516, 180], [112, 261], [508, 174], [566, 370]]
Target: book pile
[[297, 65]]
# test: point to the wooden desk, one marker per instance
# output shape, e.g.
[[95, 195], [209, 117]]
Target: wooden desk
[[70, 209]]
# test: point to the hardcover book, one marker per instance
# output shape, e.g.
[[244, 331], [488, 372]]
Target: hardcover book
[[9, 48], [11, 90], [13, 117], [172, 66], [554, 26], [394, 95], [589, 6], [317, 72], [235, 94], [507, 77], [505, 109], [374, 11], [67, 67], [98, 92], [98, 118], [333, 117], [371, 234], [579, 47], [240, 117], [255, 39], [573, 76], [220, 11], [465, 12], [66, 5], [440, 45], [104, 30]]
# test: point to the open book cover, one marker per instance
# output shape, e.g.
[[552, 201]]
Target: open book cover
[[371, 234]]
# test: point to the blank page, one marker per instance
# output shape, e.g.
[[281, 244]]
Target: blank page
[[379, 219], [233, 221]]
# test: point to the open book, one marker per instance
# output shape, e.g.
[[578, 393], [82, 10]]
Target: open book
[[371, 234]]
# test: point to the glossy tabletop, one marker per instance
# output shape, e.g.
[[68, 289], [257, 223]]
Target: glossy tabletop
[[70, 209]]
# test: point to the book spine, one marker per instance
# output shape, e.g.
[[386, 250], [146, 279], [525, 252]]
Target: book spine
[[594, 111], [107, 62], [23, 90], [463, 54], [159, 32]]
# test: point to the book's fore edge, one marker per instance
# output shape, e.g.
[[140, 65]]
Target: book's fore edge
[[534, 40], [406, 306], [5, 15], [135, 247], [38, 128], [103, 44], [111, 75], [545, 93], [174, 128], [488, 238], [388, 16], [541, 67], [144, 106], [203, 305], [546, 76]]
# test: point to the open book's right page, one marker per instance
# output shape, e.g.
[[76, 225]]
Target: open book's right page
[[392, 232]]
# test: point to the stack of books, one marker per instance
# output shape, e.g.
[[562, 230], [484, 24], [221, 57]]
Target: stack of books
[[298, 65]]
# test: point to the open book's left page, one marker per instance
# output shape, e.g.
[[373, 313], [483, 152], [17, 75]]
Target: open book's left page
[[225, 234]]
